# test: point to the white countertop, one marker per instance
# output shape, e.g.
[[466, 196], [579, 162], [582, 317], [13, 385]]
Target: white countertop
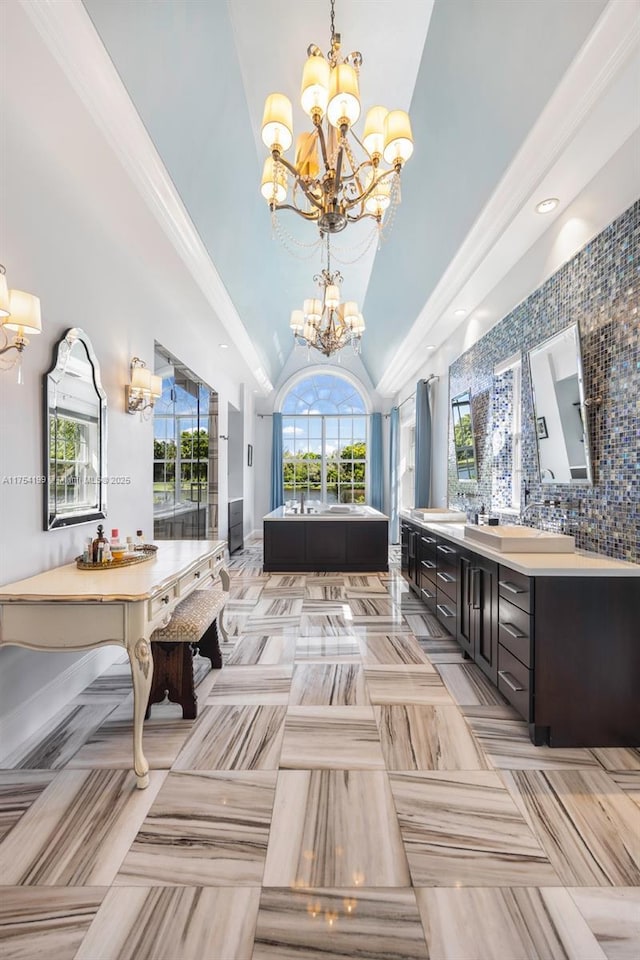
[[321, 512], [578, 564]]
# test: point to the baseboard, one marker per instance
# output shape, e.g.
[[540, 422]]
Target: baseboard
[[40, 707]]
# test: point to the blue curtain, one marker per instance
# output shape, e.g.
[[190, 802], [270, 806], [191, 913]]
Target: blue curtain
[[422, 490], [277, 480], [394, 450], [375, 461]]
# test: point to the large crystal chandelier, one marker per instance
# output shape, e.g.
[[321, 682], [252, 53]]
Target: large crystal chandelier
[[324, 322], [336, 178]]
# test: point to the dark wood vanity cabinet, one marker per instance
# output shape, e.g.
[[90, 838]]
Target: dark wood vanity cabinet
[[564, 651]]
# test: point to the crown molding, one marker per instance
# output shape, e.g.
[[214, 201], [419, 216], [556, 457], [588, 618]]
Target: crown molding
[[70, 36], [605, 54]]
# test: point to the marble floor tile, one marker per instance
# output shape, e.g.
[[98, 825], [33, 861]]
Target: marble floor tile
[[613, 915], [320, 625], [491, 711], [281, 606], [468, 685], [505, 924], [65, 734], [256, 625], [245, 593], [380, 924], [234, 738], [285, 581], [253, 650], [618, 758], [508, 746], [331, 738], [391, 648], [113, 685], [357, 584], [342, 649], [373, 606], [36, 922], [427, 737], [326, 608], [173, 923], [209, 829], [462, 828], [329, 592], [628, 781], [265, 685], [401, 684], [328, 684], [78, 830], [323, 825], [424, 625], [18, 790], [366, 625], [110, 744], [441, 649], [589, 827]]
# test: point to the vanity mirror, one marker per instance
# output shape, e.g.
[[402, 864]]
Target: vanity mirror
[[559, 409], [463, 438], [75, 441]]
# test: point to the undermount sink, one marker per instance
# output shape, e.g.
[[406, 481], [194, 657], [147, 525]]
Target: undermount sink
[[514, 539], [439, 515]]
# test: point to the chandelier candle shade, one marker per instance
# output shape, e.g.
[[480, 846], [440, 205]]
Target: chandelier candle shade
[[336, 177], [325, 323]]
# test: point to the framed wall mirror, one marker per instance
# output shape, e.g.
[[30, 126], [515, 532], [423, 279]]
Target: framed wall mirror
[[463, 439], [562, 437], [75, 435]]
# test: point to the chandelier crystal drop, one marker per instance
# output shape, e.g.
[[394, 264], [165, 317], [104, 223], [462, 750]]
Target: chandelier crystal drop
[[326, 323], [336, 177]]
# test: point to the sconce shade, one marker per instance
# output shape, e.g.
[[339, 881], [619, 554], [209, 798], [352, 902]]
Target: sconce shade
[[4, 296], [398, 138], [267, 185], [25, 312], [344, 96], [141, 379], [314, 94], [156, 385], [373, 138], [277, 122], [380, 197], [312, 310]]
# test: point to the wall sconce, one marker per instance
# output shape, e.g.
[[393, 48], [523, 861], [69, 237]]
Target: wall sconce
[[144, 389], [20, 313]]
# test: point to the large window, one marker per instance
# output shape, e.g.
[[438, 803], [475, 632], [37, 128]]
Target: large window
[[324, 427]]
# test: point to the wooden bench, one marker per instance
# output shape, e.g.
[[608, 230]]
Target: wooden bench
[[195, 624]]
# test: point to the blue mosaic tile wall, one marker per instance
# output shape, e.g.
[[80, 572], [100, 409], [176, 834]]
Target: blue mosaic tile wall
[[599, 289]]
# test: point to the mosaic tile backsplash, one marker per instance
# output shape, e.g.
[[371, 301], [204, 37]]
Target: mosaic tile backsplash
[[599, 290]]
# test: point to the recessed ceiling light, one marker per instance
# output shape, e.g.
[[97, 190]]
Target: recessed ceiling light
[[546, 206], [430, 346], [460, 313], [223, 346]]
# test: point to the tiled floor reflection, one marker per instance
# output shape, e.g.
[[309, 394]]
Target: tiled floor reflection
[[351, 787]]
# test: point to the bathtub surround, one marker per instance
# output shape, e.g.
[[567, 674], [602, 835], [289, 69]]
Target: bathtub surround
[[598, 290]]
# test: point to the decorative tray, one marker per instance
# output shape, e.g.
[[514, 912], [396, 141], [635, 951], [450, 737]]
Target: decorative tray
[[147, 552]]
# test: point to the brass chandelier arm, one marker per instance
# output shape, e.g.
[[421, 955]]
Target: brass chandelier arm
[[308, 215], [290, 167], [317, 122]]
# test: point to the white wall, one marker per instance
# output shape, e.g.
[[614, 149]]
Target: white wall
[[74, 231]]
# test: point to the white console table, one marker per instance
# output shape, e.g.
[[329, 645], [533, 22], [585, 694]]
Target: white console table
[[71, 609]]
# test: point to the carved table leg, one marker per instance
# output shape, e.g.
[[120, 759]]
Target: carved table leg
[[142, 674]]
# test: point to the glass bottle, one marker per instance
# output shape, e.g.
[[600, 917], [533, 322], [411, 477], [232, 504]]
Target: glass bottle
[[97, 547]]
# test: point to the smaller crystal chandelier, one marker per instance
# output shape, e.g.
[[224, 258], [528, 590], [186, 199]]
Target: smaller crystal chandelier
[[337, 177], [324, 322]]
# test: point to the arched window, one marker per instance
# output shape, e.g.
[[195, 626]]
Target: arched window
[[324, 427]]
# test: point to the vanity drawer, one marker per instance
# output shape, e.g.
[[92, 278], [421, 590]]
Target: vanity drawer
[[515, 587], [427, 546], [428, 593], [446, 611], [428, 571], [162, 601], [514, 682], [514, 630], [446, 581], [196, 577]]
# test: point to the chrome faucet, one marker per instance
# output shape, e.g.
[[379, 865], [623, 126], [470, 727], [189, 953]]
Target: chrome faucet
[[538, 503]]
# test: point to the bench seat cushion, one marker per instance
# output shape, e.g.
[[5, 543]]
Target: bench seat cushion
[[192, 616]]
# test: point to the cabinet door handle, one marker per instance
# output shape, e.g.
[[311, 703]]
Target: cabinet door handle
[[513, 631], [429, 596], [446, 577], [476, 588], [444, 610], [428, 539], [429, 564], [511, 587], [510, 682], [445, 549]]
